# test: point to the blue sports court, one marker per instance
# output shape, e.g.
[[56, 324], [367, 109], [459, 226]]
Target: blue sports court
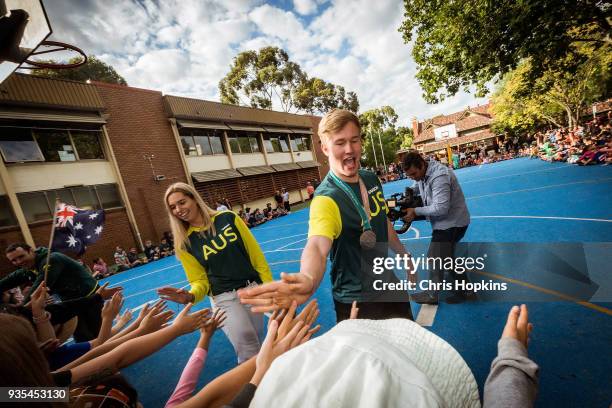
[[521, 200]]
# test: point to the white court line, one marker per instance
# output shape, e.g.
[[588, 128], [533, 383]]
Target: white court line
[[539, 188], [155, 288], [284, 262], [279, 239], [413, 239], [542, 217], [479, 167], [277, 226], [417, 233], [146, 274], [283, 250], [427, 315], [513, 175], [291, 243]]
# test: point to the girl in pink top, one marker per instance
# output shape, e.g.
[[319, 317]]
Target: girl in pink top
[[193, 368]]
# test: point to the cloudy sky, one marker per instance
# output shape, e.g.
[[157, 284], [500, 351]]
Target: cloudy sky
[[184, 47]]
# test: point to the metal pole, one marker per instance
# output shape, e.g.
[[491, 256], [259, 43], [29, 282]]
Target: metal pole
[[46, 268], [373, 149], [382, 153]]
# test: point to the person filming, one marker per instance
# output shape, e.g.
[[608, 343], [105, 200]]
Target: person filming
[[445, 208]]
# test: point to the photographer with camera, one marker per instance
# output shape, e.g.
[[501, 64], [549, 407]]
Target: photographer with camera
[[444, 206]]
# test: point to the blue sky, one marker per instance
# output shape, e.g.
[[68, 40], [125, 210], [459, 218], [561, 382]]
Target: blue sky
[[184, 47]]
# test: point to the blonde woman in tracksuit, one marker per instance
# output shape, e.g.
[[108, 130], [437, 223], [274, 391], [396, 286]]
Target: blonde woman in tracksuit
[[220, 256]]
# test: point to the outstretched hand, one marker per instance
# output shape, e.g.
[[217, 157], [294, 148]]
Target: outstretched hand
[[175, 295], [187, 322], [106, 293], [279, 294], [155, 318], [518, 326], [112, 307], [273, 347]]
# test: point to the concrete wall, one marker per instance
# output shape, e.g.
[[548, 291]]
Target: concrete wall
[[207, 163], [46, 176]]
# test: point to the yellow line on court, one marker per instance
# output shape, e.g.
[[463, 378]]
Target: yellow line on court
[[548, 291]]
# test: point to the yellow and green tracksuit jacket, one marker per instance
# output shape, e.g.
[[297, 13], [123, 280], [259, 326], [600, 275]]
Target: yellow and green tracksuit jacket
[[333, 215], [223, 262]]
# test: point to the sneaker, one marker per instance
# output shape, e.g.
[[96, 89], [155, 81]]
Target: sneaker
[[424, 298]]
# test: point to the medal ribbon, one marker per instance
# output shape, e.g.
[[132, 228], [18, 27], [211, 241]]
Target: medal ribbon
[[365, 218]]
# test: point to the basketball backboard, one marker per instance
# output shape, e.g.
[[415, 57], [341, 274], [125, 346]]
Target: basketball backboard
[[23, 26]]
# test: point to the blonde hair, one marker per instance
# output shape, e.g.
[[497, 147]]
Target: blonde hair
[[179, 227], [334, 121]]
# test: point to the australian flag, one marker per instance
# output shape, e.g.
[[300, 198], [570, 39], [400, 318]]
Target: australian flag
[[75, 228]]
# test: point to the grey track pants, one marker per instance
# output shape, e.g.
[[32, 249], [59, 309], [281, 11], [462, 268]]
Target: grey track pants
[[243, 328]]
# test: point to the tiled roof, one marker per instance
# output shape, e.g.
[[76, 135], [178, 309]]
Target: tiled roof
[[482, 118], [472, 122], [474, 137], [197, 109]]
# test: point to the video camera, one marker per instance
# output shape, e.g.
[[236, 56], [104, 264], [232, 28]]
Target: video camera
[[397, 205]]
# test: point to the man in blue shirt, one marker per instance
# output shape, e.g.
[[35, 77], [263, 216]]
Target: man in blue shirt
[[444, 206]]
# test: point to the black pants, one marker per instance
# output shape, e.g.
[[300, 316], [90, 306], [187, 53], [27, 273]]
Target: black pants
[[442, 246], [374, 310]]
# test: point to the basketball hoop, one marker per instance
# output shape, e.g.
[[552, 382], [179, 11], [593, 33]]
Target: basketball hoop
[[47, 47]]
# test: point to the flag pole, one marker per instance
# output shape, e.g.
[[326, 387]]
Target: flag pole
[[46, 269]]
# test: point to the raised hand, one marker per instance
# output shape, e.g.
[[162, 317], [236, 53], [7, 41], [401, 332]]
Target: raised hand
[[106, 293], [125, 318], [307, 316], [278, 294], [186, 322], [112, 307], [273, 347], [155, 319], [518, 326], [354, 310], [213, 323], [175, 295]]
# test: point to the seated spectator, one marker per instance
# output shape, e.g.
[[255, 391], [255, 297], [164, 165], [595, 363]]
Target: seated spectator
[[170, 238], [121, 259], [100, 270], [135, 258], [259, 217], [269, 212], [164, 248], [149, 251], [589, 156], [220, 206]]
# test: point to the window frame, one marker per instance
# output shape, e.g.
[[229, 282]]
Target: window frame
[[99, 133], [50, 195]]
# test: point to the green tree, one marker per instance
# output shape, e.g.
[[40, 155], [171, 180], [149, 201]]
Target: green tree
[[94, 69], [406, 135], [557, 97], [259, 78], [381, 138], [256, 78], [463, 43]]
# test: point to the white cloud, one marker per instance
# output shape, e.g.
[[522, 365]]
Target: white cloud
[[305, 7], [185, 47]]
